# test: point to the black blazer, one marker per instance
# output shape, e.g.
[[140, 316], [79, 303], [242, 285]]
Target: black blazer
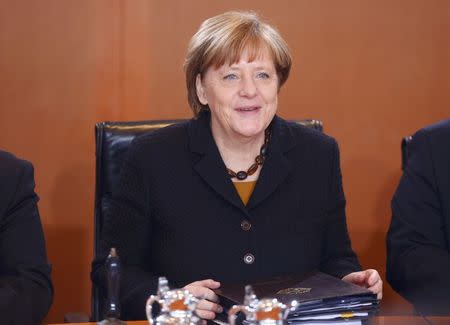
[[25, 286], [418, 241], [177, 214]]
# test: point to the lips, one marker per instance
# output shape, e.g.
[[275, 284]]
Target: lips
[[248, 108]]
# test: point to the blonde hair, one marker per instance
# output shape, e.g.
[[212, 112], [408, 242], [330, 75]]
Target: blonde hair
[[222, 39]]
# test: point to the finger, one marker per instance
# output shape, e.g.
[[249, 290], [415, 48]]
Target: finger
[[355, 277], [197, 291], [373, 277], [210, 306], [202, 292], [205, 314], [377, 288], [364, 276], [210, 295], [348, 278], [208, 283]]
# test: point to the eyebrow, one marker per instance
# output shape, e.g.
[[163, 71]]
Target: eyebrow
[[234, 66]]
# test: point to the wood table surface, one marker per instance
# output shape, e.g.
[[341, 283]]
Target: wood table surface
[[380, 320], [434, 320]]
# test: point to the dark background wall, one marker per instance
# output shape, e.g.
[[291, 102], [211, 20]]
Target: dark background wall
[[373, 71]]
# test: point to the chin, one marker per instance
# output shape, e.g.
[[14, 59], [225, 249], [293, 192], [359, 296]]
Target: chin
[[250, 132]]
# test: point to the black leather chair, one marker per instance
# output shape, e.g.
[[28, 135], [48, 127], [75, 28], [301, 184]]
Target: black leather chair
[[405, 150], [112, 142]]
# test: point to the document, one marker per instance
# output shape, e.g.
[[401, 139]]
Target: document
[[311, 297]]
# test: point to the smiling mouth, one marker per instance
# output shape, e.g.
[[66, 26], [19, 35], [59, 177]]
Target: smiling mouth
[[248, 109]]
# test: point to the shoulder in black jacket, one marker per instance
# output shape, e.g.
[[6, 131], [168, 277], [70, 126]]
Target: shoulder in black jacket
[[25, 285], [418, 241]]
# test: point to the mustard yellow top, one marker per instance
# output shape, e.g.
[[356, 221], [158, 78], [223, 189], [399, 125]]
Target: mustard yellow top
[[245, 190]]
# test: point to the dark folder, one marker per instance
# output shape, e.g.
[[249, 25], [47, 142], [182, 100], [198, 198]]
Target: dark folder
[[315, 293]]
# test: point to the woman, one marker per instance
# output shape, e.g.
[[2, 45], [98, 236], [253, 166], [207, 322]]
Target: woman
[[236, 193]]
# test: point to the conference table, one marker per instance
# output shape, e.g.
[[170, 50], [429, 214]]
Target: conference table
[[379, 320]]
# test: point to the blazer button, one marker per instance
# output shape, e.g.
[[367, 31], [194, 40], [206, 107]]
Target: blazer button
[[249, 258], [246, 225]]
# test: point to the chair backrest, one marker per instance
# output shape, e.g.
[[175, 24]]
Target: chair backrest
[[405, 147], [112, 142]]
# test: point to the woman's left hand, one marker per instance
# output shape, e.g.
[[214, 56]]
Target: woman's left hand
[[369, 279]]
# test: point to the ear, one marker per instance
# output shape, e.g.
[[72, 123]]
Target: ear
[[200, 90]]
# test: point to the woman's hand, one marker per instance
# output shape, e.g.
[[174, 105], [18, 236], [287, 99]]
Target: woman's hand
[[369, 279], [207, 306]]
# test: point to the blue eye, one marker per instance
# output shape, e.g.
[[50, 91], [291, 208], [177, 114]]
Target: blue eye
[[230, 76], [263, 75]]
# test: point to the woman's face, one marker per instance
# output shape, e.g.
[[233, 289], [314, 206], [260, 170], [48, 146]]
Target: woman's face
[[242, 96]]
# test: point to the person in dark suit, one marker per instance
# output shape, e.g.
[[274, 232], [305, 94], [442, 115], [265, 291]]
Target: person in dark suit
[[235, 194], [418, 240], [26, 290]]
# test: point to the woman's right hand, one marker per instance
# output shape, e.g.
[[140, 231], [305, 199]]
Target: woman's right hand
[[203, 290]]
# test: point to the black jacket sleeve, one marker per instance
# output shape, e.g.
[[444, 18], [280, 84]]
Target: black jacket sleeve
[[338, 257], [25, 286], [418, 262]]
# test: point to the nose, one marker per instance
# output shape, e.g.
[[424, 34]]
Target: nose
[[248, 87]]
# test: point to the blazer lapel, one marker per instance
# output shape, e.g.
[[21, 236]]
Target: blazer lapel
[[276, 166], [209, 164]]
